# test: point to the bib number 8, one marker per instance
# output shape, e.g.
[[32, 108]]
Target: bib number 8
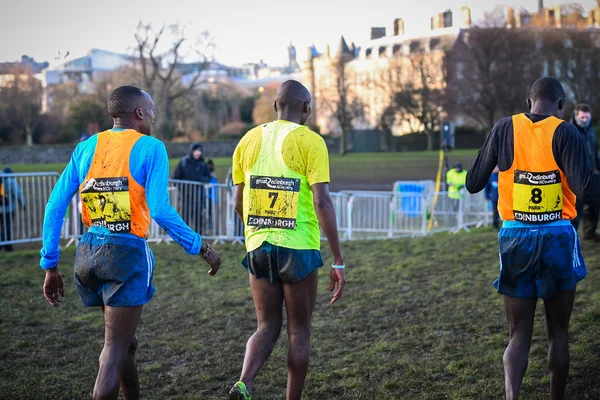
[[536, 196]]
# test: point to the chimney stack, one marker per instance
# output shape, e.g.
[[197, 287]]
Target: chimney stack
[[595, 18], [446, 19], [377, 32], [540, 6], [398, 27], [557, 17], [465, 17], [511, 21]]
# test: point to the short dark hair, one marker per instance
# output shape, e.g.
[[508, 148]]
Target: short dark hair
[[124, 100], [582, 107], [548, 89]]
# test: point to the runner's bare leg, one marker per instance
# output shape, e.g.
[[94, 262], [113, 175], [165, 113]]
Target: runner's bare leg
[[300, 299], [268, 299], [120, 326], [558, 313], [519, 316]]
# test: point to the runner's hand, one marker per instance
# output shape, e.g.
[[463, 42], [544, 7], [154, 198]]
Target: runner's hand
[[53, 286], [337, 275], [213, 259]]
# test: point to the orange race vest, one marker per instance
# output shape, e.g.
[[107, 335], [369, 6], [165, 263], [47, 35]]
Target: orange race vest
[[534, 189], [110, 196]]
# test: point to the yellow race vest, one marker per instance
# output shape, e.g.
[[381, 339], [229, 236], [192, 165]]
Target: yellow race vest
[[278, 202]]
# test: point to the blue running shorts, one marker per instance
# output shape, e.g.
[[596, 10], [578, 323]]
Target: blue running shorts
[[113, 270], [538, 260]]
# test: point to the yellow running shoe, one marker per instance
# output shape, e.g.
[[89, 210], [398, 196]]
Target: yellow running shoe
[[239, 392]]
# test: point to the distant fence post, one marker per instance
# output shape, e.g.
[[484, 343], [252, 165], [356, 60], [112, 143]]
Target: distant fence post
[[350, 219], [391, 218]]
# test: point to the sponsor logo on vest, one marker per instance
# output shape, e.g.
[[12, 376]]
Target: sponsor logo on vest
[[275, 183], [105, 185], [538, 218], [271, 222], [537, 178], [114, 227]]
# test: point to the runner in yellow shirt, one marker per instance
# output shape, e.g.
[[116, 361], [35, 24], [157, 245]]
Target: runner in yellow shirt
[[281, 173]]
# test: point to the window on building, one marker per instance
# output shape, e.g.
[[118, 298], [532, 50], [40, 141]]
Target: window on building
[[460, 70]]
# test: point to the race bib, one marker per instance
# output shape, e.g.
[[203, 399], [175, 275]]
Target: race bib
[[107, 203], [537, 196], [273, 202]]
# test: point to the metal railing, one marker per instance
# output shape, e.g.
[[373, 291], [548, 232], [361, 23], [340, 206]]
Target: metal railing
[[23, 199], [209, 210]]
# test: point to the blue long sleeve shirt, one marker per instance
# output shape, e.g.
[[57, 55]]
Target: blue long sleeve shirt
[[149, 166]]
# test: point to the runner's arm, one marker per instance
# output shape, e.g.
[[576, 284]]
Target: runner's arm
[[238, 201], [158, 199], [326, 215], [238, 177], [569, 154], [64, 190], [487, 159]]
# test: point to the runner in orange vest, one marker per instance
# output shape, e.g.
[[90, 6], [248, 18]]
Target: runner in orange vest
[[122, 176], [543, 171]]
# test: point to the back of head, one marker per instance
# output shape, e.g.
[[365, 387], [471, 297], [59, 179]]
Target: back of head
[[124, 100], [547, 89], [7, 170], [293, 101]]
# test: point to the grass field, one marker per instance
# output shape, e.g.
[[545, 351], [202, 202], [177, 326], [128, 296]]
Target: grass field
[[369, 171], [420, 320]]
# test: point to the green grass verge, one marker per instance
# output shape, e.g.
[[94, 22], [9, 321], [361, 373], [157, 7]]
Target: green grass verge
[[420, 320], [370, 171]]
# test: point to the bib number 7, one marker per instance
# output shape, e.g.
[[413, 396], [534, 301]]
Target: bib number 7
[[273, 202], [274, 196]]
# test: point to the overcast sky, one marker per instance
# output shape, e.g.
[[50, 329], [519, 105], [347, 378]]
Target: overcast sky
[[244, 30]]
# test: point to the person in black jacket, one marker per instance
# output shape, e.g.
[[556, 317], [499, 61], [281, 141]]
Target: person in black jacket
[[194, 168], [588, 209]]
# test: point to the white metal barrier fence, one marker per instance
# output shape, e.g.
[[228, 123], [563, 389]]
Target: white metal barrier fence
[[23, 198], [209, 210]]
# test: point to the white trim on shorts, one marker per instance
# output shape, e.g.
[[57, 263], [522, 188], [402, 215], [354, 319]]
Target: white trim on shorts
[[149, 261]]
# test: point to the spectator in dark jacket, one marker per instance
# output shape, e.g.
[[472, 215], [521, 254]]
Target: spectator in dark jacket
[[193, 168], [491, 194], [588, 209]]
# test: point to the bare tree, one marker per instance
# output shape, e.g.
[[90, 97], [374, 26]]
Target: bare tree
[[344, 105], [421, 100], [165, 74], [496, 18], [573, 57], [263, 108], [416, 95], [21, 103], [490, 72]]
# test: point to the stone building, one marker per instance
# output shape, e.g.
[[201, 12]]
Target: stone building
[[442, 59]]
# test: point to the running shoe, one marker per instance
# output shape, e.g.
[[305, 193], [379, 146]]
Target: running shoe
[[239, 392]]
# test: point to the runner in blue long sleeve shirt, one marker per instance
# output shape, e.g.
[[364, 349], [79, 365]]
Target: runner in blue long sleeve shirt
[[121, 175]]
